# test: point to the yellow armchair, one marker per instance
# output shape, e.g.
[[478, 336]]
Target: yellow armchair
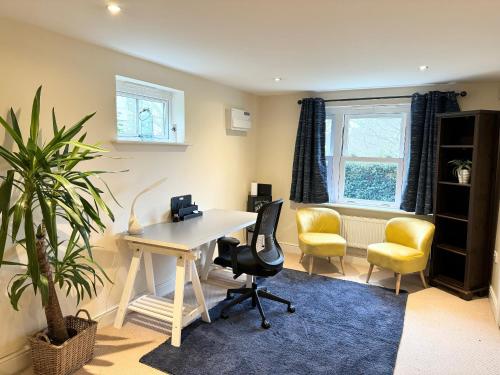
[[406, 248], [319, 230]]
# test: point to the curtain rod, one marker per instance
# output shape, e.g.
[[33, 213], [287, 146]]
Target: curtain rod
[[461, 93]]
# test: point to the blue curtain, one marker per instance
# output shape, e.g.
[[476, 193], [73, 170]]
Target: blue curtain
[[309, 175], [417, 193]]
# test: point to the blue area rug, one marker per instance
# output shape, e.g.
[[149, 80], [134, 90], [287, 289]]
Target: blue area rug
[[339, 327]]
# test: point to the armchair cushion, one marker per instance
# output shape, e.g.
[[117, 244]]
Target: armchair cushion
[[398, 258], [322, 244]]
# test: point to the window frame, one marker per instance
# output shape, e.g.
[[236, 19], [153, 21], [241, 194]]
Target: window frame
[[339, 136], [173, 113], [167, 118]]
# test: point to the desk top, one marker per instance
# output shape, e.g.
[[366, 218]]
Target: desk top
[[192, 233]]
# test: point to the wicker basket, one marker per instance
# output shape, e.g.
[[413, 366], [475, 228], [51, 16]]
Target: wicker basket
[[49, 359]]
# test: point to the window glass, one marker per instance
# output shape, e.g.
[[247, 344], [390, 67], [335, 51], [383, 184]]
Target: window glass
[[152, 118], [376, 136], [126, 113], [328, 136], [374, 181]]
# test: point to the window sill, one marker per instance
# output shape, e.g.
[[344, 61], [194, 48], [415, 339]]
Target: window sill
[[150, 143], [375, 209]]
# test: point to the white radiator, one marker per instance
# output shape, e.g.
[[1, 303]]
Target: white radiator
[[359, 232]]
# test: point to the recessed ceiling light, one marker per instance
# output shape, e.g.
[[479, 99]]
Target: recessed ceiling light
[[114, 8], [277, 79], [423, 68]]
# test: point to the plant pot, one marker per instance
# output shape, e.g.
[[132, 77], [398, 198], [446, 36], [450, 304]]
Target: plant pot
[[71, 355], [463, 176]]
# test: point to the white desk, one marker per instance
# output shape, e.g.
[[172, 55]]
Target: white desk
[[186, 241]]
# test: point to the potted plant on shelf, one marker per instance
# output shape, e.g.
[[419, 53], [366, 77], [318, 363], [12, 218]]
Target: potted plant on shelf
[[44, 187], [462, 170]]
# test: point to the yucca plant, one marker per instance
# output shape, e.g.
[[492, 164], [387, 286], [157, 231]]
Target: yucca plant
[[43, 186]]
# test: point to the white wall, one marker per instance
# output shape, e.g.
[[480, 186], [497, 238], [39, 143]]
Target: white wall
[[279, 116], [79, 78]]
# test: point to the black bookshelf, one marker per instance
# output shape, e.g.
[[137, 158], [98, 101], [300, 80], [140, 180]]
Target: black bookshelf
[[465, 214]]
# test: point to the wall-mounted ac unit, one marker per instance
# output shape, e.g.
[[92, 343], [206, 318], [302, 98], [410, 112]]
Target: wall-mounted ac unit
[[239, 120]]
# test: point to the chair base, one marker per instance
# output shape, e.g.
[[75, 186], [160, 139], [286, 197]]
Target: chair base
[[311, 262], [255, 293], [398, 278]]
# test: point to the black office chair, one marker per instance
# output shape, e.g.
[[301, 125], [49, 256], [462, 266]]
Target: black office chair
[[265, 260]]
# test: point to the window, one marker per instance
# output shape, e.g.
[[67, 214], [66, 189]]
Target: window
[[366, 149], [147, 112]]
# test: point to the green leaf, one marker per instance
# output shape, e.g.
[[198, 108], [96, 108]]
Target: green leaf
[[17, 288], [35, 117], [49, 217], [72, 217], [15, 124], [68, 186], [75, 129], [29, 231], [11, 158], [13, 133], [5, 194], [19, 208], [44, 289], [85, 146], [54, 123]]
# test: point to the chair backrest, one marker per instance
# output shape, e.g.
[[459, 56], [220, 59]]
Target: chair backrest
[[318, 220], [270, 254], [414, 233]]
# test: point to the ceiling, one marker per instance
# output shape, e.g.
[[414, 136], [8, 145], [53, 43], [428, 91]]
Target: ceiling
[[316, 45]]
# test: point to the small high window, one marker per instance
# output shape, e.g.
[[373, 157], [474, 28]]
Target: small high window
[[147, 112]]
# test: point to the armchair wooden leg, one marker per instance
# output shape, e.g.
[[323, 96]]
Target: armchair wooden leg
[[329, 259], [311, 261], [369, 273], [301, 257], [422, 277], [342, 265], [398, 282]]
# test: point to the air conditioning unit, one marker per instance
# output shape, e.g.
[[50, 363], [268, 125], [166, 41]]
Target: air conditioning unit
[[239, 120]]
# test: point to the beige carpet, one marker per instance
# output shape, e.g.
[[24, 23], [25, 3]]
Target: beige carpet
[[442, 333]]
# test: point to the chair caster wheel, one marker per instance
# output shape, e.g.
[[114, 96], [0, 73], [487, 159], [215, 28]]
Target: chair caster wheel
[[224, 316], [291, 309], [265, 324]]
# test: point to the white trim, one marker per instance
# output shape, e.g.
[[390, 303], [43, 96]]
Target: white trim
[[494, 305], [18, 361], [172, 100], [149, 142], [356, 206], [339, 134]]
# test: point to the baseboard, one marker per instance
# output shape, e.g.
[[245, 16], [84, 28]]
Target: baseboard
[[290, 247], [494, 305], [18, 361]]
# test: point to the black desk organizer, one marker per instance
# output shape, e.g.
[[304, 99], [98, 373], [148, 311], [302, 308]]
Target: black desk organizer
[[183, 208]]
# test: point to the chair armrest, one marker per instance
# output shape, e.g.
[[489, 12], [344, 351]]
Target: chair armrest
[[228, 241], [229, 245]]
